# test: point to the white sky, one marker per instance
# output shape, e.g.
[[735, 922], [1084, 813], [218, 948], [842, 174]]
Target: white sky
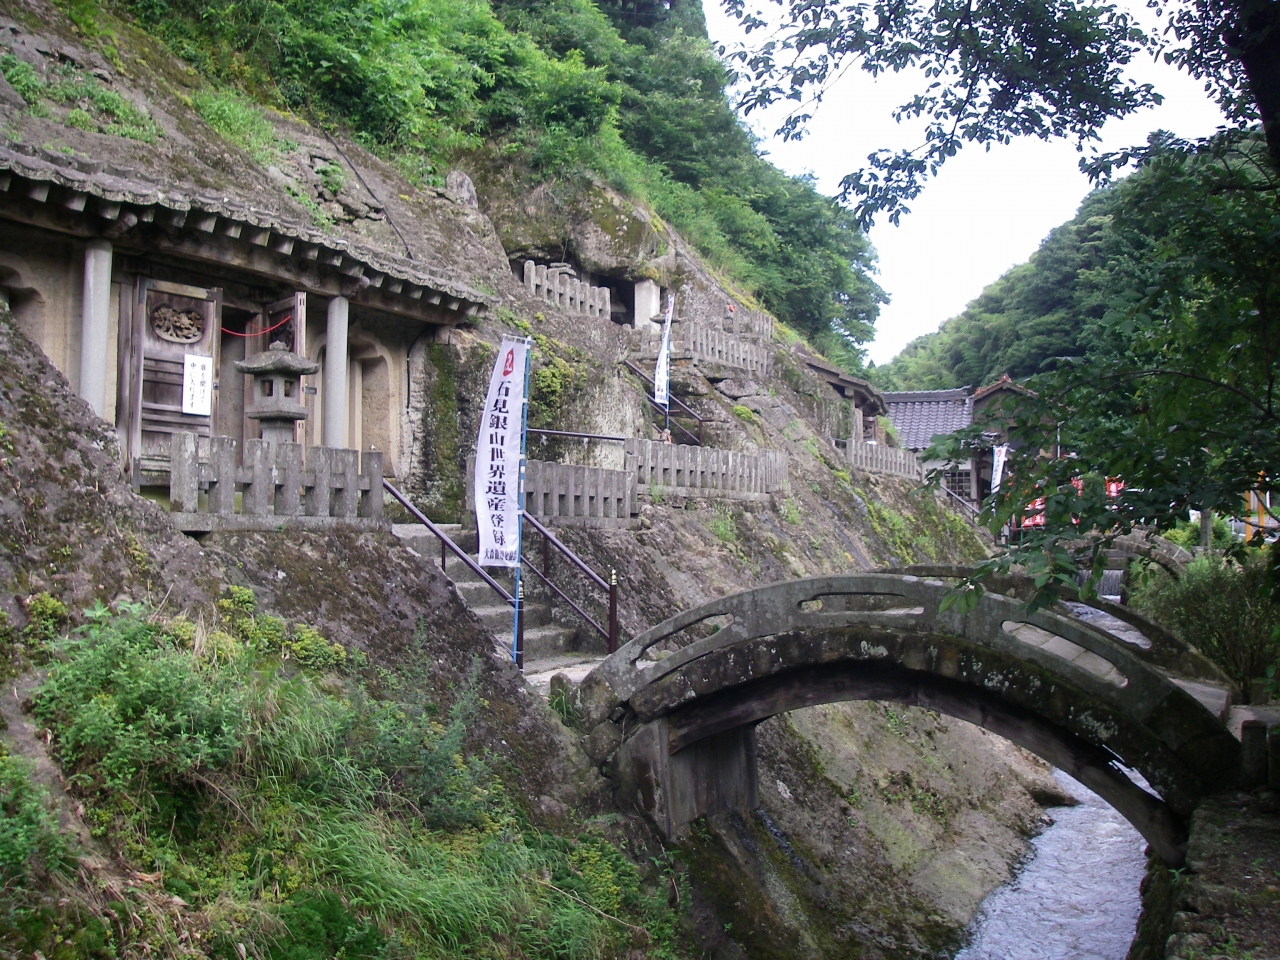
[[985, 212]]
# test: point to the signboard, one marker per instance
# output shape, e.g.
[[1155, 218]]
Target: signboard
[[998, 456], [197, 385], [662, 371], [499, 479]]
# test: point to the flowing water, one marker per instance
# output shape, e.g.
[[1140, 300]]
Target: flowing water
[[1075, 898]]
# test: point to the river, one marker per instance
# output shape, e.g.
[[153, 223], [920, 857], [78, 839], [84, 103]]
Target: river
[[1076, 896]]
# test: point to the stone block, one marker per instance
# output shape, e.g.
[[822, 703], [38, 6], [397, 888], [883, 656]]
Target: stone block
[[602, 742]]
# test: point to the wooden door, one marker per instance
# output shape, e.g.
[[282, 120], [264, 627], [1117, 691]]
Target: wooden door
[[176, 328]]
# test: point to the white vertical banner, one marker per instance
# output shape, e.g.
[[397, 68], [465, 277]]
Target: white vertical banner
[[498, 479], [998, 456], [662, 371], [197, 385]]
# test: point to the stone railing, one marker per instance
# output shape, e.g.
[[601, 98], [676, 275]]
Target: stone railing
[[564, 290], [706, 471], [875, 458], [573, 495], [274, 489], [694, 340]]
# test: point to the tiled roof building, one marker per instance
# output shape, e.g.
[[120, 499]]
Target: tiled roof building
[[920, 415]]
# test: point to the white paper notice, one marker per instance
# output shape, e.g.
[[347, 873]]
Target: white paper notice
[[197, 385], [498, 490]]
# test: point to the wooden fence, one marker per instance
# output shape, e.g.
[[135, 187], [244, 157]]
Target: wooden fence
[[276, 487], [706, 471], [573, 495], [876, 458]]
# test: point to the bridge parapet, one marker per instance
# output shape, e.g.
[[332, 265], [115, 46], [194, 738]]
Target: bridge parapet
[[1065, 689]]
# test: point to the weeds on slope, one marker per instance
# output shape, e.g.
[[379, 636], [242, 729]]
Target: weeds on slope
[[276, 808]]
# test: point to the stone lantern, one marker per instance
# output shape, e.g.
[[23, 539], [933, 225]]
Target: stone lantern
[[277, 390]]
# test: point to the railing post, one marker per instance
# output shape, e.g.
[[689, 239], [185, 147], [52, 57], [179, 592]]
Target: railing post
[[546, 557], [520, 627], [184, 473], [613, 611]]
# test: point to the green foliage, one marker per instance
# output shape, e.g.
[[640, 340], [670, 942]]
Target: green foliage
[[556, 378], [29, 840], [333, 177], [1004, 70], [562, 703], [133, 712], [1174, 391], [744, 414], [23, 78], [46, 617], [239, 121], [791, 510], [723, 525], [1187, 534], [93, 106], [1222, 608], [576, 91], [310, 649], [305, 819], [1024, 323]]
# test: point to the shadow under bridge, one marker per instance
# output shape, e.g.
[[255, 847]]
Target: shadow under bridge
[[673, 712]]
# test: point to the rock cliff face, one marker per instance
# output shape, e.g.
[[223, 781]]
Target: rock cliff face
[[880, 828]]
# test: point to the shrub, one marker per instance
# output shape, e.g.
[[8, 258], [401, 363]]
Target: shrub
[[1220, 607], [22, 77], [29, 839], [134, 711], [46, 616]]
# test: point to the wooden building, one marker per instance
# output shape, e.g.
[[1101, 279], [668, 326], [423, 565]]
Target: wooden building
[[145, 297]]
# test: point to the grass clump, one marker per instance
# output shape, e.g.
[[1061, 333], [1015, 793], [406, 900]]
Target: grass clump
[[239, 121], [1221, 606], [722, 525], [299, 814], [92, 106], [744, 414]]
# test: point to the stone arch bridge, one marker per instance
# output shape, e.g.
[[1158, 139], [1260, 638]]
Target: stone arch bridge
[[1093, 689]]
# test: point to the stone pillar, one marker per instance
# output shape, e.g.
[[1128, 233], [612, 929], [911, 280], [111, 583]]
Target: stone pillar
[[648, 303], [95, 324], [335, 374]]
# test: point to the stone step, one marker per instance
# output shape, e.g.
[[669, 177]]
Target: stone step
[[538, 672], [546, 641]]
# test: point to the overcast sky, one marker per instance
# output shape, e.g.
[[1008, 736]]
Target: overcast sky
[[986, 211]]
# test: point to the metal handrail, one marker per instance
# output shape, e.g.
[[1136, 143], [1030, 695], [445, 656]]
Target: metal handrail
[[674, 399], [580, 436], [550, 540], [447, 544]]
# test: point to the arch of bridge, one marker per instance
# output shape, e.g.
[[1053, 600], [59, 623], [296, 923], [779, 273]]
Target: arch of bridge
[[1082, 698]]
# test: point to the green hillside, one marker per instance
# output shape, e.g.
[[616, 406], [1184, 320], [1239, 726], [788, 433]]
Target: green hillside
[[1024, 322], [631, 92]]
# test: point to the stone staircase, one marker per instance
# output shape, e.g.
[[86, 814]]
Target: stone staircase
[[547, 646]]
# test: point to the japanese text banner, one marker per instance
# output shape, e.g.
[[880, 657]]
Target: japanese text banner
[[662, 370], [498, 479]]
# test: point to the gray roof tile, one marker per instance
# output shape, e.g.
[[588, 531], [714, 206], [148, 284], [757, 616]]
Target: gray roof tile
[[920, 415]]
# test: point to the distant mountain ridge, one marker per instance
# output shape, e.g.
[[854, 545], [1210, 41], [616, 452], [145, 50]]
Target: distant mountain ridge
[[1021, 324]]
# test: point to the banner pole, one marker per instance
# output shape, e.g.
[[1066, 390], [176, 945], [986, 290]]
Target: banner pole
[[517, 619]]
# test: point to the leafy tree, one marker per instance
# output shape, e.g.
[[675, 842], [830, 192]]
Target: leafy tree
[[1000, 69], [1176, 392]]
